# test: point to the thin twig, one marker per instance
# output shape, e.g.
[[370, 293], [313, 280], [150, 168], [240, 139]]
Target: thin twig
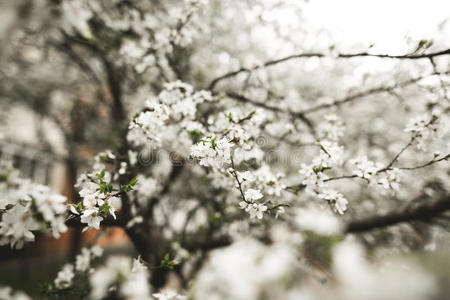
[[214, 82]]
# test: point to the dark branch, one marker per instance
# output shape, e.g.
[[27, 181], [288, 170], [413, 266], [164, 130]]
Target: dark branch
[[243, 99], [306, 55], [421, 213], [368, 92], [350, 98]]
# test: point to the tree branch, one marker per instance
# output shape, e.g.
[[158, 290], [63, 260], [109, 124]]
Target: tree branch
[[301, 114], [214, 82], [368, 92], [421, 213]]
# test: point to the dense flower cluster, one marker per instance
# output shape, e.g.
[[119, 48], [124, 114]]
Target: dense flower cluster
[[26, 207], [331, 155], [83, 265], [364, 168], [175, 107], [65, 276], [281, 274], [100, 197], [120, 276], [226, 139], [7, 293], [274, 266]]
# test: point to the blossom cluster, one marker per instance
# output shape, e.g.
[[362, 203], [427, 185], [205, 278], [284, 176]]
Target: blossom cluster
[[7, 292], [213, 152], [331, 155], [100, 190], [174, 28], [226, 138], [423, 128], [364, 167], [389, 179], [254, 183], [273, 264], [229, 145], [174, 109], [26, 207], [98, 200], [121, 276], [249, 205], [65, 277], [118, 276], [332, 129], [227, 148], [230, 272]]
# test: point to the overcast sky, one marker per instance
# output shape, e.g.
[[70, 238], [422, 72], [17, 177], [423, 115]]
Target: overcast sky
[[386, 23]]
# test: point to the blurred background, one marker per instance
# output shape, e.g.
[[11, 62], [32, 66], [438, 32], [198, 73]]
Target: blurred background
[[25, 141]]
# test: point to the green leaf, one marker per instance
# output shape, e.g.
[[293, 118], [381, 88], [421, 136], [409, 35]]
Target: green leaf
[[105, 187], [318, 169], [101, 175], [104, 209], [167, 262], [421, 44], [213, 142], [294, 188], [43, 225], [129, 187], [195, 134], [78, 207]]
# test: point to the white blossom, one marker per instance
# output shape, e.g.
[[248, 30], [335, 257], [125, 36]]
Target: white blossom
[[65, 276], [77, 15], [332, 129], [364, 167], [212, 151], [255, 210], [7, 293], [83, 260], [252, 194], [390, 180], [336, 198], [16, 226], [115, 203], [123, 168], [313, 177], [91, 217], [133, 283], [28, 207], [230, 272], [168, 295]]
